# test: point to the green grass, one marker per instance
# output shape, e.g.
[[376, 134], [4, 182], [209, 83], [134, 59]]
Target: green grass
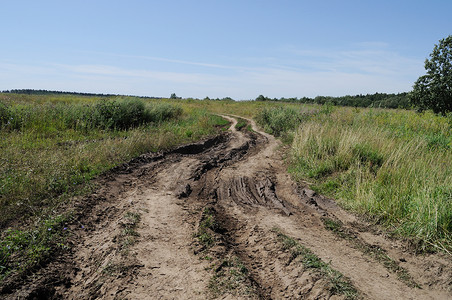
[[52, 146], [338, 284], [47, 155], [241, 123], [207, 226], [393, 166], [22, 250]]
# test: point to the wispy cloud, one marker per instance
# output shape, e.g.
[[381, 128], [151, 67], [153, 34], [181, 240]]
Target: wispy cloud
[[293, 72], [169, 60], [369, 58]]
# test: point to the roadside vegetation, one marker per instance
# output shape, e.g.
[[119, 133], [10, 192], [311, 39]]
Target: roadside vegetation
[[394, 166], [52, 146]]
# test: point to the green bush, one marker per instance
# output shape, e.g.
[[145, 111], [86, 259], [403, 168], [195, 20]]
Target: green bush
[[119, 114], [130, 113], [163, 112], [279, 120]]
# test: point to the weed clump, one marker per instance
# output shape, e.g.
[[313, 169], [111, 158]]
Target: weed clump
[[4, 114], [21, 250], [207, 228], [279, 120], [241, 123], [231, 276]]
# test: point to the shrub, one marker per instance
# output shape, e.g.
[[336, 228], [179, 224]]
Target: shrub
[[162, 112], [123, 114], [119, 114], [279, 120]]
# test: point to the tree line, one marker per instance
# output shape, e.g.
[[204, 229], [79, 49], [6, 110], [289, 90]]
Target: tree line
[[383, 100], [48, 92]]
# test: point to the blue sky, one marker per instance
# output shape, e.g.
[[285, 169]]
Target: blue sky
[[237, 49]]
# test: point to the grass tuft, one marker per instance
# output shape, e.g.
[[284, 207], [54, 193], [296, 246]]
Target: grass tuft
[[231, 276], [22, 250], [339, 284], [207, 227], [241, 123]]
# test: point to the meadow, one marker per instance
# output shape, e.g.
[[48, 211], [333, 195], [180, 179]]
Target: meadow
[[393, 167]]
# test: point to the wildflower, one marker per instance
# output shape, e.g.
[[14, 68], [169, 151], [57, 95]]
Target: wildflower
[[49, 229], [65, 228]]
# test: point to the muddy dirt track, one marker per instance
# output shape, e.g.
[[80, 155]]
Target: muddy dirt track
[[223, 219]]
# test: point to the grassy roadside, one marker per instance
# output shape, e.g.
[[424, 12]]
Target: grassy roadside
[[394, 166], [52, 147]]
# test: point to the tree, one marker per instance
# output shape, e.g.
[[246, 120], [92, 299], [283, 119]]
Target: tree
[[173, 96], [434, 90], [262, 98]]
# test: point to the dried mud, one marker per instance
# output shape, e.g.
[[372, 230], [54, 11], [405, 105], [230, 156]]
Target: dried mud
[[201, 222]]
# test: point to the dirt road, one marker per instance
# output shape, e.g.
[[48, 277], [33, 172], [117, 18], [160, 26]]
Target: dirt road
[[223, 219]]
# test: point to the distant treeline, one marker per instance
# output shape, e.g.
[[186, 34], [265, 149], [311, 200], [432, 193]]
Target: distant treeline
[[383, 100], [46, 92]]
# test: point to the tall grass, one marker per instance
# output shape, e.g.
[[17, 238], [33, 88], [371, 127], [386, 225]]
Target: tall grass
[[120, 114], [50, 150], [394, 166], [279, 120]]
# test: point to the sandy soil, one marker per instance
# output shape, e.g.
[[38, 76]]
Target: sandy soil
[[139, 235]]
